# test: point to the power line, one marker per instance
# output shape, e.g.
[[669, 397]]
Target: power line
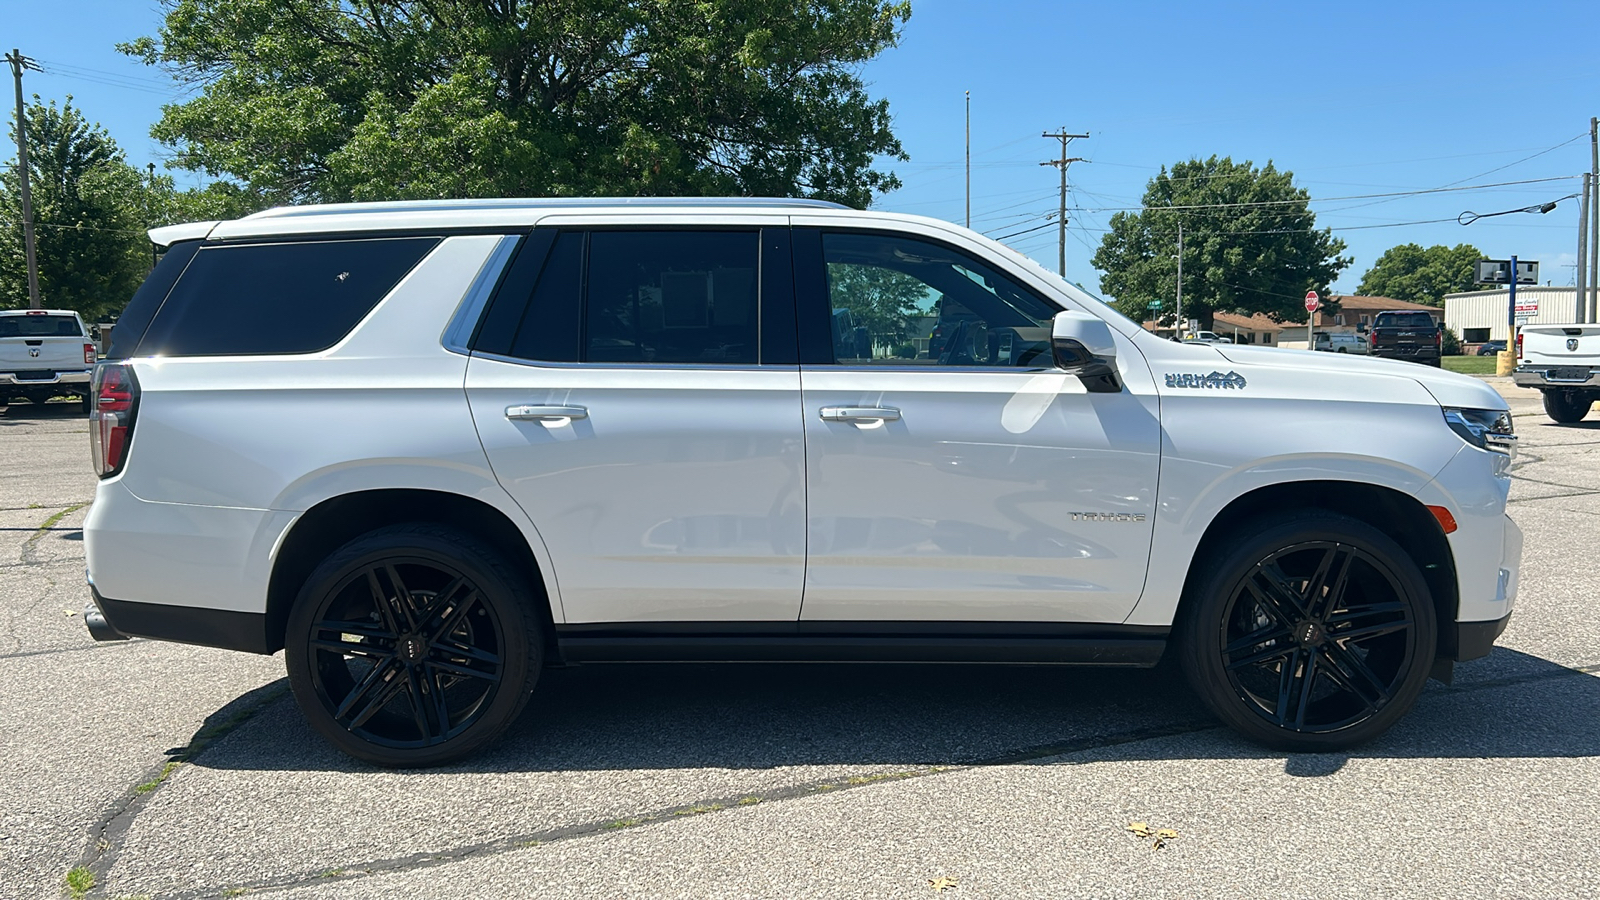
[[1258, 203]]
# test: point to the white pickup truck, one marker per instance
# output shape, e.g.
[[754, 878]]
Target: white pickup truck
[[44, 353], [1563, 362]]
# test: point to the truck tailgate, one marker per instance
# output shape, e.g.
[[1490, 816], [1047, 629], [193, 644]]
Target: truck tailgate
[[1577, 346]]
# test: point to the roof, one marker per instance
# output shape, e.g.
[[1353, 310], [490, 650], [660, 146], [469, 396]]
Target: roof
[[37, 312], [1256, 322], [485, 213], [1358, 303]]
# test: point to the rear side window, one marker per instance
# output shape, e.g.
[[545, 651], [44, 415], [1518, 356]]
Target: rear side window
[[39, 326], [672, 297], [278, 298], [1404, 320]]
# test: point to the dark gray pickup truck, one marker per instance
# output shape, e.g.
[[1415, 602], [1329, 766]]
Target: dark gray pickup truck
[[1401, 334]]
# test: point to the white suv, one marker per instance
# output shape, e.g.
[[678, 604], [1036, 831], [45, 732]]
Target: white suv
[[429, 448]]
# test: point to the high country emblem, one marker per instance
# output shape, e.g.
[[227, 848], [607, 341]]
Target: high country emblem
[[1106, 517], [1216, 380], [1572, 343]]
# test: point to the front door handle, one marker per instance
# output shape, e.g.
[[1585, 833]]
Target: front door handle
[[544, 413], [860, 414]]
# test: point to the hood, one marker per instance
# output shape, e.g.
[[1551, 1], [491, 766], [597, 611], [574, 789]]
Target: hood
[[1449, 388]]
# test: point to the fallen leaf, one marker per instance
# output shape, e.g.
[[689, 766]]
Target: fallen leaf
[[1140, 828], [1166, 834], [942, 884], [70, 612]]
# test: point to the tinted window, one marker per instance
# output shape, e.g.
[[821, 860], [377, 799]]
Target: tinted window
[[148, 298], [900, 301], [39, 326], [1404, 320], [672, 297], [278, 298], [549, 327]]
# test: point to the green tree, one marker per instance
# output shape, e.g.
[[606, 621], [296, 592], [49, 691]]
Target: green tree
[[1250, 244], [883, 300], [335, 100], [1409, 272], [87, 200]]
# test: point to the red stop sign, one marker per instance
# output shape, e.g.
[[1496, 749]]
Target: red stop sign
[[1311, 301]]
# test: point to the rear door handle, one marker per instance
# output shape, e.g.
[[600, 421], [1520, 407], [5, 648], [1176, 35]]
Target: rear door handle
[[860, 414], [543, 413]]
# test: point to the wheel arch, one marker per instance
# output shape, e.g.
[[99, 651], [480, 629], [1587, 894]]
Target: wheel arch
[[1398, 515], [333, 522]]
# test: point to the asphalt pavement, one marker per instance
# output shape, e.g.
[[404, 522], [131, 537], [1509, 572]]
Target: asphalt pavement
[[160, 770]]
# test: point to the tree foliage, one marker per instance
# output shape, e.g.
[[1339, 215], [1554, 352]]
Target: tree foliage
[[87, 229], [1250, 245], [336, 100], [1410, 272]]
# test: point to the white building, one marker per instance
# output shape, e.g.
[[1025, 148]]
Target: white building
[[1478, 316]]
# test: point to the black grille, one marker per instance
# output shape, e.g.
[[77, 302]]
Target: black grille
[[35, 374], [1567, 373]]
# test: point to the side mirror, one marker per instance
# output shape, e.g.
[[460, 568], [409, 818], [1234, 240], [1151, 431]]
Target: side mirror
[[1084, 347]]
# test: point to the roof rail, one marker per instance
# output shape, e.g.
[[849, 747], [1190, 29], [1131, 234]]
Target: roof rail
[[326, 209]]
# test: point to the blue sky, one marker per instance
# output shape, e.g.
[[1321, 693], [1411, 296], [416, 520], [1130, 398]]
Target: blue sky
[[1355, 97]]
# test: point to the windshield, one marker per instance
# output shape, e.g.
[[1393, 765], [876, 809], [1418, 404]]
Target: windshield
[[39, 326]]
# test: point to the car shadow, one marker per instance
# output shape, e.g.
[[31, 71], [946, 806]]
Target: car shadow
[[55, 409], [642, 717]]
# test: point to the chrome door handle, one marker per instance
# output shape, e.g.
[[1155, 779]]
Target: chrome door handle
[[541, 413], [860, 414]]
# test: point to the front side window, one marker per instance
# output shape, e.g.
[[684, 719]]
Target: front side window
[[901, 301], [672, 297]]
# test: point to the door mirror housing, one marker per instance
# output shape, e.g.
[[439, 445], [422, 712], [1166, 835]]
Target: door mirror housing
[[1084, 347]]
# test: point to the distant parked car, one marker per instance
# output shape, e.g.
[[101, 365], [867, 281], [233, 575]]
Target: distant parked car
[[1490, 348], [1208, 337], [1341, 342]]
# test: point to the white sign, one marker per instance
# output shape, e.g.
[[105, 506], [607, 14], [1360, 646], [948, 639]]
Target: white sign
[[1529, 307]]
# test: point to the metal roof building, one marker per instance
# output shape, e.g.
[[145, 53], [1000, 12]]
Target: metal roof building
[[1478, 316]]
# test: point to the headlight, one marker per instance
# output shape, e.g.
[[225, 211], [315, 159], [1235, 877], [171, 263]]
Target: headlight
[[1489, 429]]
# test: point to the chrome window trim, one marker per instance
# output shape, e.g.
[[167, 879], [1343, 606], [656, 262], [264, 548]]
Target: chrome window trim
[[457, 336], [633, 366]]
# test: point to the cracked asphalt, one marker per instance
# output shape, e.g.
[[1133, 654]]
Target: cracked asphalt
[[185, 772]]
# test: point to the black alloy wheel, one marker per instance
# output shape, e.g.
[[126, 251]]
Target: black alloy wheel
[[1316, 633], [412, 645]]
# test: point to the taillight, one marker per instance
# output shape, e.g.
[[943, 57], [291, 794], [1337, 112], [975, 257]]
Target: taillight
[[90, 355], [116, 402], [1519, 345]]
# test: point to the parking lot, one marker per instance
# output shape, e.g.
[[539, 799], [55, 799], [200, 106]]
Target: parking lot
[[163, 770]]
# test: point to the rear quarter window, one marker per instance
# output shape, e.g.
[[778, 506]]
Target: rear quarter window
[[287, 298]]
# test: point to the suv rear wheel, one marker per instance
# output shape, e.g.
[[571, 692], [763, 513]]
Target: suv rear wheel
[[1312, 632], [413, 645], [1567, 407]]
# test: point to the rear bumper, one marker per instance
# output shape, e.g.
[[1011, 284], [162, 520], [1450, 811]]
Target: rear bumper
[[1539, 377], [118, 620], [47, 377]]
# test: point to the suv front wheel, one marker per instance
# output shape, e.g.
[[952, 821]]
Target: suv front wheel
[[413, 645], [1312, 632]]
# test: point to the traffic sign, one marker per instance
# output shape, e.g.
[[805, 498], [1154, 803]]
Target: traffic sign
[[1155, 304], [1311, 301]]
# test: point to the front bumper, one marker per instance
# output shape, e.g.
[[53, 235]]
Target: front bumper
[[1474, 640], [1539, 377]]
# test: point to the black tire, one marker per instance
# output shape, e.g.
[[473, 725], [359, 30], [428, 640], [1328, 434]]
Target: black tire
[[1567, 407], [413, 612], [1274, 666], [86, 403]]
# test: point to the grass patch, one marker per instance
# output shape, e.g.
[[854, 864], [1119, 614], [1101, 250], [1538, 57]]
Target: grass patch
[[80, 881], [235, 892], [698, 809], [330, 873], [749, 801], [1470, 365], [155, 782], [55, 519]]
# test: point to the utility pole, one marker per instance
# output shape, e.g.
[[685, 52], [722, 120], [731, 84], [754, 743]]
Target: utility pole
[[1061, 215], [1594, 217], [1582, 293], [1178, 327], [20, 64], [969, 159]]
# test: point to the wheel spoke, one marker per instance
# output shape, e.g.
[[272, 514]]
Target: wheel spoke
[[1333, 670], [351, 648], [1351, 613], [424, 709], [1274, 596], [1286, 685], [454, 619], [1371, 631], [1321, 594], [1263, 635], [463, 671], [450, 648], [376, 690], [1358, 676], [1262, 656], [403, 601], [383, 604], [439, 602]]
